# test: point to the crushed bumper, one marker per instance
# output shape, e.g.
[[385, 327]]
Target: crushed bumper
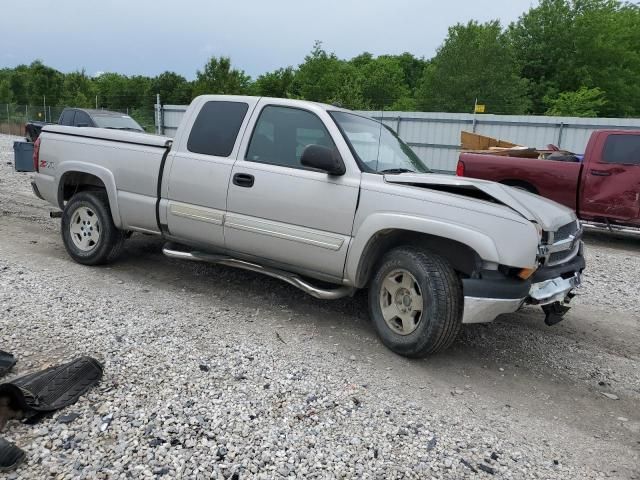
[[484, 310], [551, 288]]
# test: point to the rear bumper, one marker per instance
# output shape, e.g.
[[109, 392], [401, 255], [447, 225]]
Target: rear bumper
[[495, 294]]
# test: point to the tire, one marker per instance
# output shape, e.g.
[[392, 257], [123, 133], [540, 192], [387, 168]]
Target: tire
[[88, 232], [407, 278]]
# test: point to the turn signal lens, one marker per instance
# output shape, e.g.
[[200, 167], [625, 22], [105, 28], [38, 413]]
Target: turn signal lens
[[525, 273]]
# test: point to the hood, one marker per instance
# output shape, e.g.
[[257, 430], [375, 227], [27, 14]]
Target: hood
[[546, 213]]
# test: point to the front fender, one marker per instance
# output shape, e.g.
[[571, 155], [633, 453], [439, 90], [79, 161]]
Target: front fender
[[481, 243], [102, 173]]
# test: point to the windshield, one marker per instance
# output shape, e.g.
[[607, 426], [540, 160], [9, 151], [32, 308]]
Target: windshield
[[122, 122], [377, 146]]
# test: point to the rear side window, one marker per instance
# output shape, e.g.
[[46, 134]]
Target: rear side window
[[82, 119], [67, 118], [215, 130], [623, 149]]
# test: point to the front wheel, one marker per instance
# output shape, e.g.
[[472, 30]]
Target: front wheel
[[88, 232], [416, 302]]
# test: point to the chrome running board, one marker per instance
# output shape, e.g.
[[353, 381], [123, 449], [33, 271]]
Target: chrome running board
[[290, 278]]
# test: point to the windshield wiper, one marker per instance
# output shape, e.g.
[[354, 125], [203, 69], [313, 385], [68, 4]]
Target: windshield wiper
[[397, 170]]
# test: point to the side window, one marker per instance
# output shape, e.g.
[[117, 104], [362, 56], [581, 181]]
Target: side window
[[82, 119], [67, 118], [623, 149], [215, 130], [282, 133]]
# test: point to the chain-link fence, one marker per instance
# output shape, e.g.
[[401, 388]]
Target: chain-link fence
[[14, 117]]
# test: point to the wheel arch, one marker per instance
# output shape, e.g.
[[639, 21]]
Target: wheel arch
[[464, 248], [76, 178]]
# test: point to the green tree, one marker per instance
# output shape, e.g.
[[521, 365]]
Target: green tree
[[112, 89], [585, 102], [6, 95], [173, 88], [349, 94], [383, 82], [563, 45], [78, 90], [219, 77], [412, 67], [322, 76], [475, 61], [19, 83], [275, 84], [44, 81], [361, 60]]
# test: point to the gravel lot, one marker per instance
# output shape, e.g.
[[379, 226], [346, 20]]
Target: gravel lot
[[212, 372]]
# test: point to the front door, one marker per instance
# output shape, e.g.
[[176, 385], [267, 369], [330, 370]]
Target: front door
[[281, 211], [612, 184]]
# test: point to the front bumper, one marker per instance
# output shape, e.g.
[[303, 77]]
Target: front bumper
[[495, 294]]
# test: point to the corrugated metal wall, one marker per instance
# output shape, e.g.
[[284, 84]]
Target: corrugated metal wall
[[435, 137]]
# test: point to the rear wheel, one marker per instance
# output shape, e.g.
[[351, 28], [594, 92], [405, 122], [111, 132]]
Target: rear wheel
[[415, 302], [88, 232]]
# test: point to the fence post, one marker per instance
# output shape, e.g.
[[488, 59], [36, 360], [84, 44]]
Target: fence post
[[560, 134], [8, 120], [159, 116]]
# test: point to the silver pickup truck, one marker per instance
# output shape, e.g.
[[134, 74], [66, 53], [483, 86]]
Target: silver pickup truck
[[324, 199]]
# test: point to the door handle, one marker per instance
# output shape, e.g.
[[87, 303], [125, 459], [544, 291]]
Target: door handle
[[600, 173], [243, 180]]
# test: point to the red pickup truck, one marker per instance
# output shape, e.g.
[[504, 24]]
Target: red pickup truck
[[602, 187]]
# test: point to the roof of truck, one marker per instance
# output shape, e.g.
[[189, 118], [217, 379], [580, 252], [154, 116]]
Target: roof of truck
[[93, 111], [221, 97]]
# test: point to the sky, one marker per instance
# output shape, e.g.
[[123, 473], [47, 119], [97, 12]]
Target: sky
[[144, 37]]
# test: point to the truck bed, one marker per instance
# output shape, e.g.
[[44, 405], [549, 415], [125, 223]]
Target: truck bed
[[557, 180], [128, 163]]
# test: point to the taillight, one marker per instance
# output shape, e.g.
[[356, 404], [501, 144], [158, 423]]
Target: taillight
[[36, 155], [460, 169]]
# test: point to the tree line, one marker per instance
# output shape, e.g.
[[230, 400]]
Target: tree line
[[561, 57]]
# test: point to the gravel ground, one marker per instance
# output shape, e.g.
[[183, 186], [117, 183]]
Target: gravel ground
[[217, 373]]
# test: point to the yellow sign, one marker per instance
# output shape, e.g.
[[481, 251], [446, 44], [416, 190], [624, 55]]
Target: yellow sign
[[479, 108]]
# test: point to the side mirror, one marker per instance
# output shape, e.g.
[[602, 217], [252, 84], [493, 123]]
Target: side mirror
[[323, 158]]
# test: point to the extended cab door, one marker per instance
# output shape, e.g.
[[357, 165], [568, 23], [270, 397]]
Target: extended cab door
[[199, 167], [611, 177], [279, 210]]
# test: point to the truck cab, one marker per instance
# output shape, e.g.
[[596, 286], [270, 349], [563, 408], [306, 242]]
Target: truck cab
[[609, 186]]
